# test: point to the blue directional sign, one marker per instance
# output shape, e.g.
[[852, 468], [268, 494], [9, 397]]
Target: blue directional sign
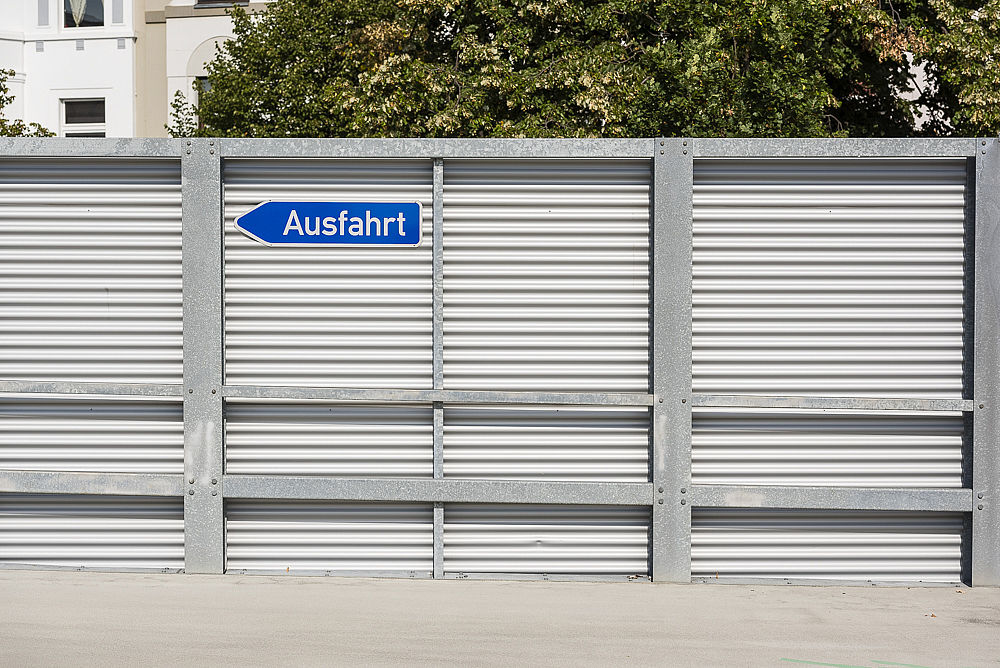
[[333, 223]]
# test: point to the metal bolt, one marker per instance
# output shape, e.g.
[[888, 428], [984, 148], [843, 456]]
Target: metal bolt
[[661, 152], [685, 143], [684, 152], [189, 151], [661, 143], [215, 481], [215, 492], [980, 495], [660, 490], [984, 142], [191, 492], [212, 151], [660, 502], [684, 490], [661, 400], [684, 401], [191, 480], [211, 143], [189, 142], [984, 151], [213, 391], [190, 391], [683, 502], [982, 405], [980, 506]]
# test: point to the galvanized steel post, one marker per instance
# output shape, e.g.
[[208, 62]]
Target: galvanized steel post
[[986, 420], [201, 187], [670, 357], [437, 299]]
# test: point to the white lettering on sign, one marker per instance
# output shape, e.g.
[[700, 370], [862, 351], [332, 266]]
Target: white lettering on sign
[[370, 226]]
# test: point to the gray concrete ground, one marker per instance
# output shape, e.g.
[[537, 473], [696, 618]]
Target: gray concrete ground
[[96, 619]]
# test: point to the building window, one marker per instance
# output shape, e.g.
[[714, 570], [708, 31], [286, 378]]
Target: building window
[[83, 13], [83, 118]]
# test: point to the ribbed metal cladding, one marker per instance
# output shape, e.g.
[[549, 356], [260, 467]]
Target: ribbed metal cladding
[[734, 543], [111, 436], [284, 536], [322, 438], [543, 443], [828, 276], [335, 317], [546, 274], [546, 539], [90, 270], [835, 448], [91, 531]]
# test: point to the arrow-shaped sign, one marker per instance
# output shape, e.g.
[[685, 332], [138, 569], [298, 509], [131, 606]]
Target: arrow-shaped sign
[[333, 223]]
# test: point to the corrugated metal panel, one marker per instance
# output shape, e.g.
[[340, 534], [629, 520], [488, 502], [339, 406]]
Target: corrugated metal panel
[[112, 436], [829, 277], [826, 545], [92, 531], [329, 536], [321, 438], [564, 443], [341, 317], [90, 270], [597, 540], [838, 448], [546, 267]]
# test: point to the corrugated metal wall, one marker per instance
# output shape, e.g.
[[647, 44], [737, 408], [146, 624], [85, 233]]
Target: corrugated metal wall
[[836, 277], [537, 443], [839, 448], [321, 438], [90, 270], [735, 543], [92, 531], [594, 540], [343, 317], [111, 436], [546, 275], [284, 536]]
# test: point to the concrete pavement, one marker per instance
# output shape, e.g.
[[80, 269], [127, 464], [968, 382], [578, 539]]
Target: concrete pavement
[[96, 619]]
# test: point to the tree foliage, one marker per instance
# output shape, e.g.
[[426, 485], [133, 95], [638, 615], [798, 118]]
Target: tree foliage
[[15, 128], [588, 68]]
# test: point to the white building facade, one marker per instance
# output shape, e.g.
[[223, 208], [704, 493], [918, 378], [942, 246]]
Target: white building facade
[[106, 68]]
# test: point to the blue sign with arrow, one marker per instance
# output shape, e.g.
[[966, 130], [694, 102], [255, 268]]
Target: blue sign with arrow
[[333, 223]]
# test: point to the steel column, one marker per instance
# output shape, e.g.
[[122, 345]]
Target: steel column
[[670, 355], [986, 419], [437, 336], [204, 538]]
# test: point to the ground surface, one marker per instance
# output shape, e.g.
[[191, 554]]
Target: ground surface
[[73, 619]]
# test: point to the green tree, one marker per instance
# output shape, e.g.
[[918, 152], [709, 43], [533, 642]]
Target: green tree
[[568, 68], [15, 128]]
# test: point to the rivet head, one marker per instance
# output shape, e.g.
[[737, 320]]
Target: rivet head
[[212, 151], [215, 481], [685, 143], [683, 502], [213, 391], [661, 143], [982, 405], [980, 495], [189, 143], [984, 142], [684, 401], [215, 492], [191, 480], [980, 506], [684, 152], [190, 391], [660, 490], [684, 490], [660, 502], [661, 400], [191, 492], [211, 143], [661, 152]]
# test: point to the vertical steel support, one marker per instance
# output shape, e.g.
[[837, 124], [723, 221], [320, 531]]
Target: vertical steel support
[[986, 384], [670, 355], [201, 187], [438, 343]]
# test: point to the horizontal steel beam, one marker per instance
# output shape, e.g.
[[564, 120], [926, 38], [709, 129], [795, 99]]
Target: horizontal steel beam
[[445, 396], [834, 148], [65, 387], [831, 498], [436, 148], [78, 147], [820, 403], [117, 484], [442, 490]]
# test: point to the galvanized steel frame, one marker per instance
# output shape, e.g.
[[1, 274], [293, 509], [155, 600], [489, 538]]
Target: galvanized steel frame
[[670, 494]]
